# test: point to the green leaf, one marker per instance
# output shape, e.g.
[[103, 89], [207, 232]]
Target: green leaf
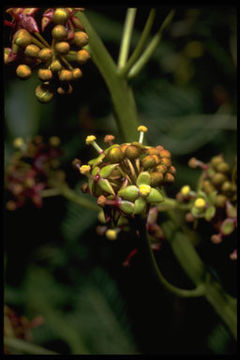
[[139, 206], [143, 178]]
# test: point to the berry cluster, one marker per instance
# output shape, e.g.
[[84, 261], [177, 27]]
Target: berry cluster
[[215, 200], [31, 169], [58, 60], [127, 179]]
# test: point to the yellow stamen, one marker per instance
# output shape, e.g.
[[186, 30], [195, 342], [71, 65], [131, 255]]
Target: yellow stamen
[[142, 129], [144, 189], [185, 190], [85, 169], [90, 140], [18, 142], [200, 203], [111, 234]]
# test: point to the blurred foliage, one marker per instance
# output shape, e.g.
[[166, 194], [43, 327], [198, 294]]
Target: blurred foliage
[[55, 264]]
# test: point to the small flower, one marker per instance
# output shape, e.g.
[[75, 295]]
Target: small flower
[[185, 190], [200, 203], [142, 129]]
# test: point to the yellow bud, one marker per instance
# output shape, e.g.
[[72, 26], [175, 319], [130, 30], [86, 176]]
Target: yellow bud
[[200, 203], [22, 38], [65, 75], [76, 73], [82, 56], [111, 234], [18, 142], [62, 47], [45, 54], [32, 50], [59, 32], [23, 71], [85, 169], [45, 74], [56, 65], [60, 16], [185, 190], [54, 141], [144, 189], [80, 39], [90, 139]]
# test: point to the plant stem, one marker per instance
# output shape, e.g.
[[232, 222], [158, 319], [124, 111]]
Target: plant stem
[[121, 93], [142, 41], [151, 47], [224, 305], [126, 37], [71, 195], [24, 347]]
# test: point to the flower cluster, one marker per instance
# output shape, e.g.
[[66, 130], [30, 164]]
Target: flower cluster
[[215, 200], [18, 326], [57, 59], [31, 169], [126, 179]]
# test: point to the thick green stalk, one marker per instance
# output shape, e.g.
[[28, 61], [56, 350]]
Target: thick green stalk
[[121, 93], [224, 305], [23, 347]]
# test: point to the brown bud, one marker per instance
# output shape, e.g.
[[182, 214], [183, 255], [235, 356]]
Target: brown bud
[[76, 73], [150, 161], [152, 151], [220, 200], [216, 238], [166, 161], [165, 153], [162, 168], [218, 179], [169, 178], [43, 93], [45, 74], [76, 163], [23, 71], [156, 178], [32, 50], [62, 47], [56, 65], [45, 54], [227, 187], [193, 163], [189, 217], [172, 170], [132, 152], [65, 75], [82, 56], [60, 16], [80, 39], [59, 32], [22, 38], [109, 139], [208, 187], [65, 89], [101, 201]]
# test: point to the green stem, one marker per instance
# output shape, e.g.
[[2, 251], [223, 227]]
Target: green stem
[[41, 39], [121, 94], [142, 41], [126, 37], [72, 196], [224, 305], [198, 291], [144, 58], [23, 347]]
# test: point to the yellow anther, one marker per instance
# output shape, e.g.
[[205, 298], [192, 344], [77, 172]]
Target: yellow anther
[[200, 203], [85, 169], [144, 189], [142, 128], [111, 234], [18, 142], [90, 139], [185, 190]]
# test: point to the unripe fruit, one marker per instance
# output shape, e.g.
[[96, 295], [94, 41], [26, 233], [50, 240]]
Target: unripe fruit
[[22, 38], [65, 75], [149, 161], [162, 169], [43, 93], [227, 187], [172, 170], [76, 73], [62, 47], [218, 179], [56, 65], [169, 178], [45, 74], [60, 16], [132, 152], [82, 56], [32, 50], [45, 54], [216, 160], [166, 161], [59, 32], [23, 71], [80, 39], [165, 153], [220, 200], [223, 167], [208, 187], [115, 154]]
